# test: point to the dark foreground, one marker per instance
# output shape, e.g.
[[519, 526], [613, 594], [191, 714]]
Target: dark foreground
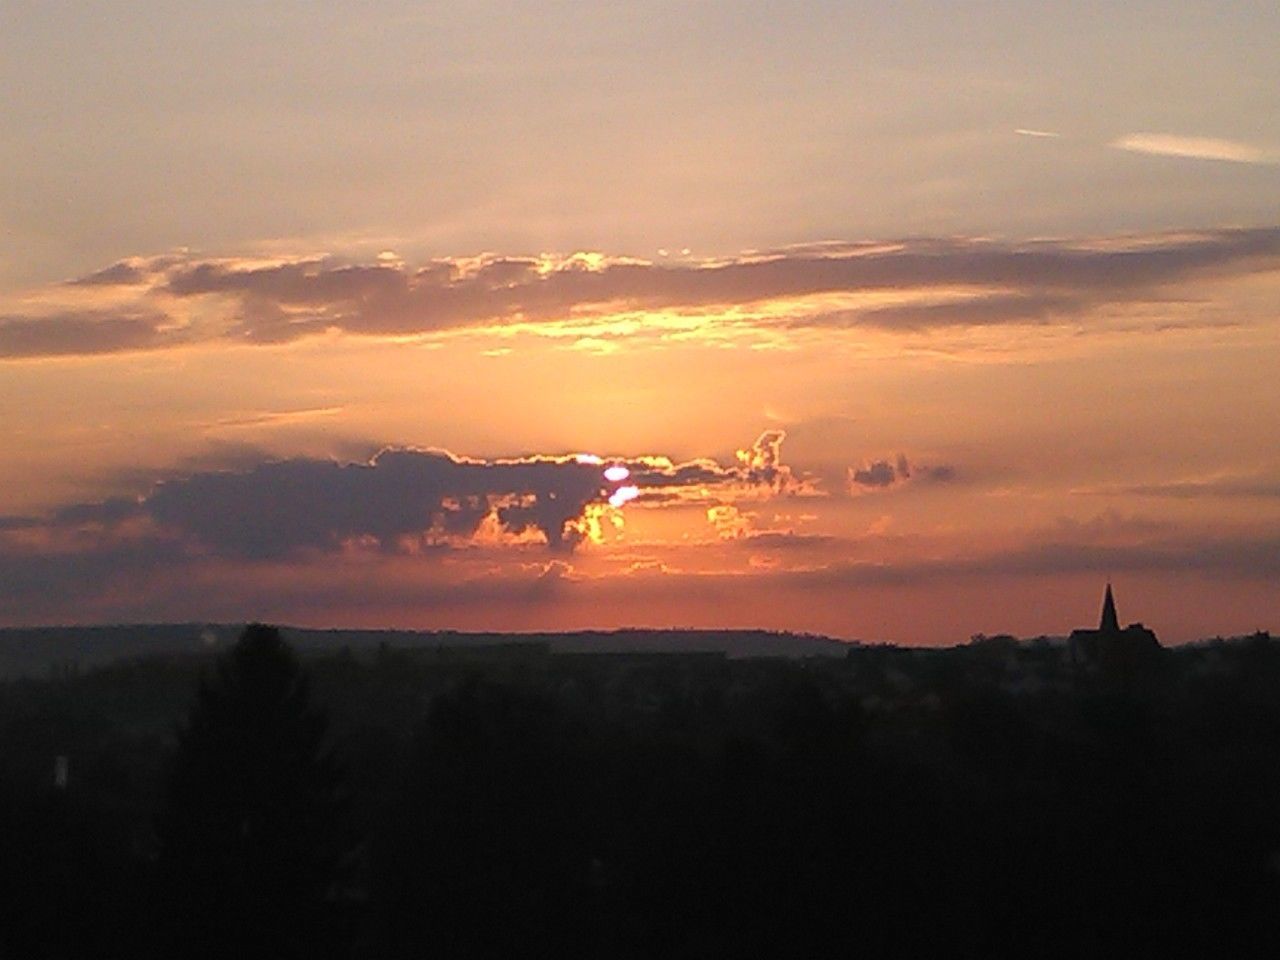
[[514, 801]]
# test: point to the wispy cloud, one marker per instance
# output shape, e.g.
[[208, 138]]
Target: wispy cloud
[[273, 418], [1193, 148], [1028, 132], [1254, 556], [1259, 485]]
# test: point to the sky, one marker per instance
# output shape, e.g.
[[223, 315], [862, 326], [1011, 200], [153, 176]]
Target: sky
[[885, 321]]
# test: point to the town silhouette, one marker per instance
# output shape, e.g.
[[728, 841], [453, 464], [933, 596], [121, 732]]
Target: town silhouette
[[373, 795]]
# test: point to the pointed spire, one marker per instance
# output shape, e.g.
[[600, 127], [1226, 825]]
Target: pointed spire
[[1110, 622]]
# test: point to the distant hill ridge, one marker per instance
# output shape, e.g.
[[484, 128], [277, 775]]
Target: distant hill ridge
[[38, 651], [53, 651]]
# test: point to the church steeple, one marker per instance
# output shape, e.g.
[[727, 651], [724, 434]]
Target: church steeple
[[1113, 651], [1110, 622]]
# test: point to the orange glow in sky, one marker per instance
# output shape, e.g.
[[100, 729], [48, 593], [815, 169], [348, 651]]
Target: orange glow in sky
[[880, 352]]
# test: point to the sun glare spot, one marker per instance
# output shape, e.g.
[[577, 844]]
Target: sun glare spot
[[622, 495], [616, 473]]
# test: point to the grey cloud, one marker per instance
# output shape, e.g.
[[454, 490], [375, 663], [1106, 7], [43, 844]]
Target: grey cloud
[[1005, 282], [1261, 486], [302, 510], [783, 540], [1247, 558], [881, 474], [121, 273], [80, 334], [113, 511], [1254, 559], [877, 474], [308, 283], [941, 473], [279, 508], [990, 310], [1238, 558], [1046, 277], [284, 507], [42, 583], [132, 581], [127, 273]]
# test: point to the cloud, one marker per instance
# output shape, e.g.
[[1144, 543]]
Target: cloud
[[116, 561], [449, 517], [273, 418], [1193, 148], [944, 282], [1251, 558], [400, 498], [789, 540], [400, 501], [121, 273], [54, 583], [972, 311], [882, 474], [389, 300], [757, 473], [1027, 132], [81, 334], [132, 582], [877, 474], [729, 522], [1259, 486], [762, 462], [939, 473], [126, 273]]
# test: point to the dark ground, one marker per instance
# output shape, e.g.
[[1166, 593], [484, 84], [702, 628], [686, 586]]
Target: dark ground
[[498, 800]]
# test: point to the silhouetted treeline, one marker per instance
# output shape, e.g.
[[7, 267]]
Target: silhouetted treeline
[[508, 801], [252, 827]]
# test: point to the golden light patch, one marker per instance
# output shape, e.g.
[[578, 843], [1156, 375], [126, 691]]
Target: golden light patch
[[729, 522], [599, 523]]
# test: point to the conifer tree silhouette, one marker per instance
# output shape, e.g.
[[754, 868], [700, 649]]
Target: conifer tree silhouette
[[253, 826]]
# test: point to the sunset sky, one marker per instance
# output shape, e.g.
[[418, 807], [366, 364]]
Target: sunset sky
[[898, 321]]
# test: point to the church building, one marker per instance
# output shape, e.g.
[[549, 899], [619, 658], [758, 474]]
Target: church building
[[1110, 647]]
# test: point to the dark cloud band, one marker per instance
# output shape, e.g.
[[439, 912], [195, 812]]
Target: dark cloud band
[[400, 500], [954, 282]]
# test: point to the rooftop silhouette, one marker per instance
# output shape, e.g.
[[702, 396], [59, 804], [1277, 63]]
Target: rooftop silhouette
[[1111, 648]]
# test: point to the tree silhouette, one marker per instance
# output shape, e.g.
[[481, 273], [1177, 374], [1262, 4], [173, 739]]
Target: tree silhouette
[[490, 853], [252, 830]]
